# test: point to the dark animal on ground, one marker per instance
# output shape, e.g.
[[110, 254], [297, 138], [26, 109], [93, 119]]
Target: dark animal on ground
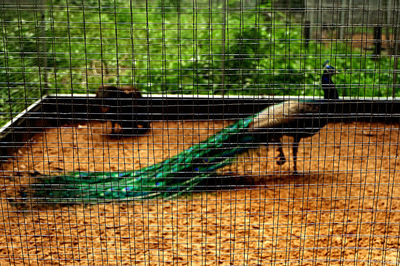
[[120, 105]]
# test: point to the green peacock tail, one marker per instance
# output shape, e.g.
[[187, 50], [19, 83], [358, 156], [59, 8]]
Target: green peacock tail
[[165, 179]]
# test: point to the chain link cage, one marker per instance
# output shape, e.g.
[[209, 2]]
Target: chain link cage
[[199, 132]]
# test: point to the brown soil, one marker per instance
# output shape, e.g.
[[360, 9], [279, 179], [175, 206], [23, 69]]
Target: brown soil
[[363, 40], [344, 208], [367, 41]]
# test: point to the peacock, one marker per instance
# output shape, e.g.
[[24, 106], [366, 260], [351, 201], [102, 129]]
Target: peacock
[[296, 118], [185, 171]]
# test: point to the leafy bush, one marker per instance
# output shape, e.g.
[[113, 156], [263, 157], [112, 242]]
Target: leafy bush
[[176, 47]]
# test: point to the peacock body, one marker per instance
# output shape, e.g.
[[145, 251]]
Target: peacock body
[[296, 118]]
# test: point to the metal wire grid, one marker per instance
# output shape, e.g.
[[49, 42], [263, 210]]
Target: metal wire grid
[[342, 208]]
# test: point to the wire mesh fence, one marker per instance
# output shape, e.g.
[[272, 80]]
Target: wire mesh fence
[[243, 132]]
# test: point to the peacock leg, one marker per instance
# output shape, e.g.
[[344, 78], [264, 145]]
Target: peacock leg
[[281, 156], [295, 148], [113, 127]]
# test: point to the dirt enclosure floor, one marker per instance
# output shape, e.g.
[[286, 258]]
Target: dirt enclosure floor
[[342, 208]]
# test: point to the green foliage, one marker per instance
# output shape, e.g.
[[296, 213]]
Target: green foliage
[[170, 46], [19, 64]]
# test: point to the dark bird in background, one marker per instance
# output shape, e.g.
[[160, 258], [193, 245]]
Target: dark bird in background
[[186, 170], [296, 118], [120, 106]]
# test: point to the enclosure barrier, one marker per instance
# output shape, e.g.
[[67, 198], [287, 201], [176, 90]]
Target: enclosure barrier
[[191, 132]]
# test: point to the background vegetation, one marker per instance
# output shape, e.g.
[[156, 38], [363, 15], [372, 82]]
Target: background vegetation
[[174, 47]]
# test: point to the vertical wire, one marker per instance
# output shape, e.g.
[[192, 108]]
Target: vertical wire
[[89, 129], [40, 57], [394, 175], [363, 175], [195, 84], [40, 46], [311, 15], [223, 34], [391, 183], [396, 48], [261, 189], [58, 132], [164, 90], [390, 195], [121, 111], [31, 161], [180, 59], [275, 209], [304, 42], [149, 87], [132, 236], [332, 215], [289, 58], [7, 69], [319, 10], [71, 81], [377, 180], [362, 144], [350, 166], [103, 148]]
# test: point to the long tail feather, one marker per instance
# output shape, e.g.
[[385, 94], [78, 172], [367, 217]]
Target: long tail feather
[[165, 179]]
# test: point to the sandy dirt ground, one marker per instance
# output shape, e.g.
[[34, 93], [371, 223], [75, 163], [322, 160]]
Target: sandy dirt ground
[[342, 208]]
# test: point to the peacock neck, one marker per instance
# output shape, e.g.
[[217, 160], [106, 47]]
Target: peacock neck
[[330, 91]]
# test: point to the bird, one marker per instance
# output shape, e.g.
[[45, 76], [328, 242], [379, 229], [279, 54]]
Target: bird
[[186, 170], [119, 104], [296, 118]]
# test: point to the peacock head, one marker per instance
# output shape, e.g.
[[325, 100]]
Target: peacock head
[[328, 69], [328, 86]]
